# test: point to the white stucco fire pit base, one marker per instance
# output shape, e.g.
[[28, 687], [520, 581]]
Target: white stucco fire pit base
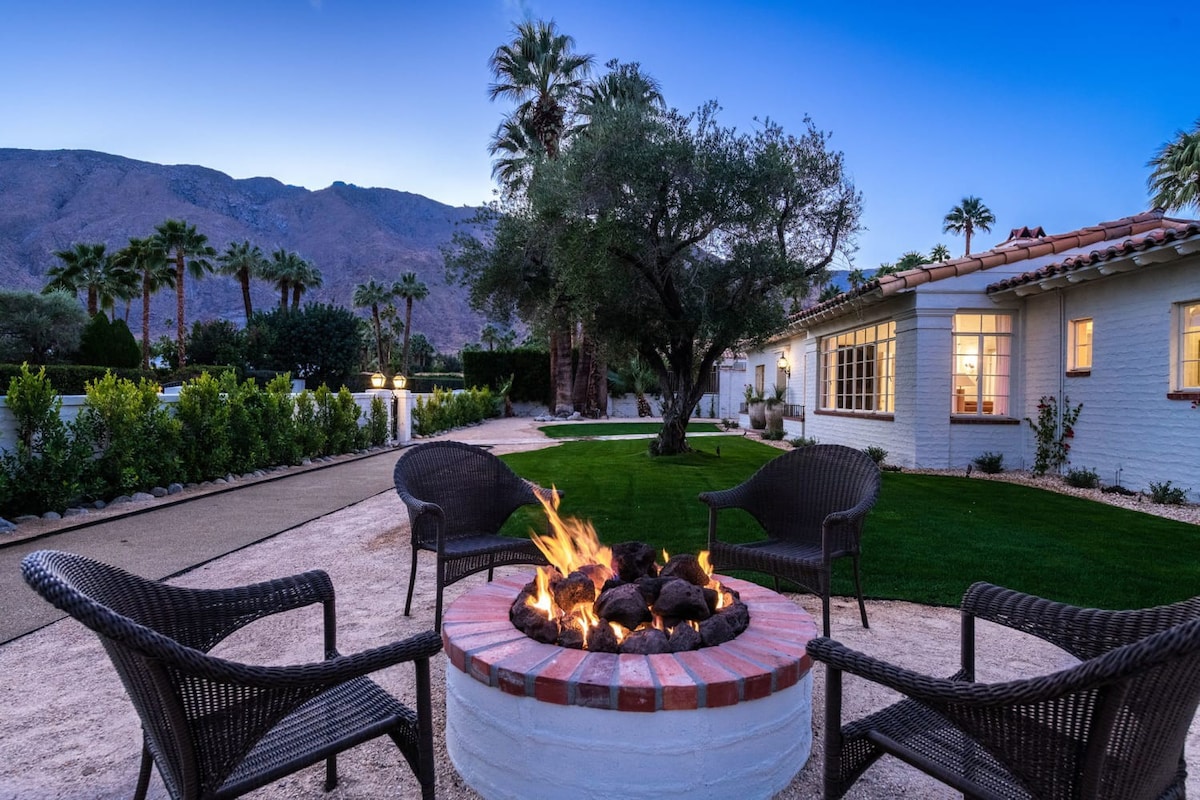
[[526, 719]]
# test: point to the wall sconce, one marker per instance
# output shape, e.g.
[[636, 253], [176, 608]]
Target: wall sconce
[[399, 381], [377, 380], [783, 365]]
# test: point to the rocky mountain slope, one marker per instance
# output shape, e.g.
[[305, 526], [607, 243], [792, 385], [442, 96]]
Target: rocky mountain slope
[[52, 199]]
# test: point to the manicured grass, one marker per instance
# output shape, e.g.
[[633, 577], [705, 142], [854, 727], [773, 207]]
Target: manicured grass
[[578, 430], [927, 539]]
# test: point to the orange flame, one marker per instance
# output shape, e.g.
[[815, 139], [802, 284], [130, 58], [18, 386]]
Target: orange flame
[[572, 543]]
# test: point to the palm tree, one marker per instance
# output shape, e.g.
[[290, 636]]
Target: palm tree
[[148, 259], [284, 268], [489, 336], [623, 86], [539, 71], [243, 262], [306, 277], [1175, 181], [968, 216], [191, 251], [372, 295], [910, 260], [939, 253], [84, 267], [408, 288]]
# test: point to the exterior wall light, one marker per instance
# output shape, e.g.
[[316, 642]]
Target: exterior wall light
[[783, 365]]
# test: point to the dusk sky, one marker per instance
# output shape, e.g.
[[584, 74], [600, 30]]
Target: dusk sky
[[1046, 111]]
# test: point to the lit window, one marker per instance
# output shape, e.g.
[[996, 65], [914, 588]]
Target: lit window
[[1189, 346], [982, 355], [1079, 345], [858, 370]]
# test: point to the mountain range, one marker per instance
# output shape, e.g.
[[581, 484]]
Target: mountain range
[[51, 199]]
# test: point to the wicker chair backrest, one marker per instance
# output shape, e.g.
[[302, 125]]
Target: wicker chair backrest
[[791, 495]]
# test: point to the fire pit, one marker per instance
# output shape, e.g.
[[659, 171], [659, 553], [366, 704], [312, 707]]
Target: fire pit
[[526, 718]]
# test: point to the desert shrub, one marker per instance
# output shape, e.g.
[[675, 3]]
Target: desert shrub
[[248, 448], [773, 434], [803, 441], [446, 410], [1082, 478], [135, 439], [45, 471], [377, 423], [205, 448], [990, 463], [1166, 494], [877, 454], [279, 422], [1118, 489]]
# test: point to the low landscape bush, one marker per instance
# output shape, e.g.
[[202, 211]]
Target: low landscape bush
[[1082, 478], [1167, 494], [446, 409], [990, 463], [877, 454]]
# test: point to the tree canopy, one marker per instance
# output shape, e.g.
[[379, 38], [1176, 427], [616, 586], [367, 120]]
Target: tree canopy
[[680, 237], [1174, 182]]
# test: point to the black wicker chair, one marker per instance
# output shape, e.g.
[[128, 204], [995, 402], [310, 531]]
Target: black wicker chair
[[1112, 726], [811, 503], [217, 728], [458, 497]]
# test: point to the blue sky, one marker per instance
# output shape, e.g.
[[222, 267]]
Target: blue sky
[[1046, 111]]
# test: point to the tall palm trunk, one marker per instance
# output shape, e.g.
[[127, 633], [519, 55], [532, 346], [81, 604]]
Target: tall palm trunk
[[244, 278], [146, 319], [297, 290], [560, 369], [283, 295], [378, 334], [408, 303], [180, 324]]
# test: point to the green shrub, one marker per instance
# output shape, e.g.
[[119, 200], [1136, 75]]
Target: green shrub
[[377, 423], [773, 434], [105, 344], [217, 342], [46, 469], [1166, 494], [803, 441], [877, 454], [1053, 448], [279, 422], [310, 437], [337, 418], [248, 448], [990, 463], [135, 439], [205, 448], [1082, 478], [446, 410]]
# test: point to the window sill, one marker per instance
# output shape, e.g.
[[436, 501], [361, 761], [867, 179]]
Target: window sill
[[888, 417], [1079, 373], [969, 419], [1190, 395]]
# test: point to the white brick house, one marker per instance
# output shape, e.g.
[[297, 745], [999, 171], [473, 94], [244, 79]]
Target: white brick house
[[943, 363]]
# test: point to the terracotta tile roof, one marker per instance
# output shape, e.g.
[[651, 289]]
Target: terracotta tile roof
[[1023, 244], [1178, 230]]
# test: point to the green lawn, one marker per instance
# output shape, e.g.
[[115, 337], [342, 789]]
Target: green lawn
[[927, 539], [579, 430]]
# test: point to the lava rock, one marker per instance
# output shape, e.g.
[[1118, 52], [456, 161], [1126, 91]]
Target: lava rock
[[683, 638], [624, 605], [646, 642], [633, 560], [573, 590], [532, 622], [650, 588], [598, 573], [682, 600], [570, 636], [602, 639], [686, 566], [725, 625], [712, 597]]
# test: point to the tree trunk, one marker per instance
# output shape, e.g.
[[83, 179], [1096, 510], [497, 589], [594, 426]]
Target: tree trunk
[[582, 388], [601, 401], [560, 363], [180, 325], [297, 290], [378, 336], [146, 320], [245, 279], [408, 301], [283, 295], [672, 439]]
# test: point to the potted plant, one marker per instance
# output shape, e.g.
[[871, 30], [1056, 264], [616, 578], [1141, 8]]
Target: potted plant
[[773, 410], [756, 408]]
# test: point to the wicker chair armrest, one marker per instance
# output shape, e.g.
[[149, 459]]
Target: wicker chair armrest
[[332, 671], [268, 597], [418, 507], [850, 514], [956, 691], [723, 498]]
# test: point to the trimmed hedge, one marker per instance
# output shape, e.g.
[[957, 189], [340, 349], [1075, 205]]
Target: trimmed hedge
[[68, 379]]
